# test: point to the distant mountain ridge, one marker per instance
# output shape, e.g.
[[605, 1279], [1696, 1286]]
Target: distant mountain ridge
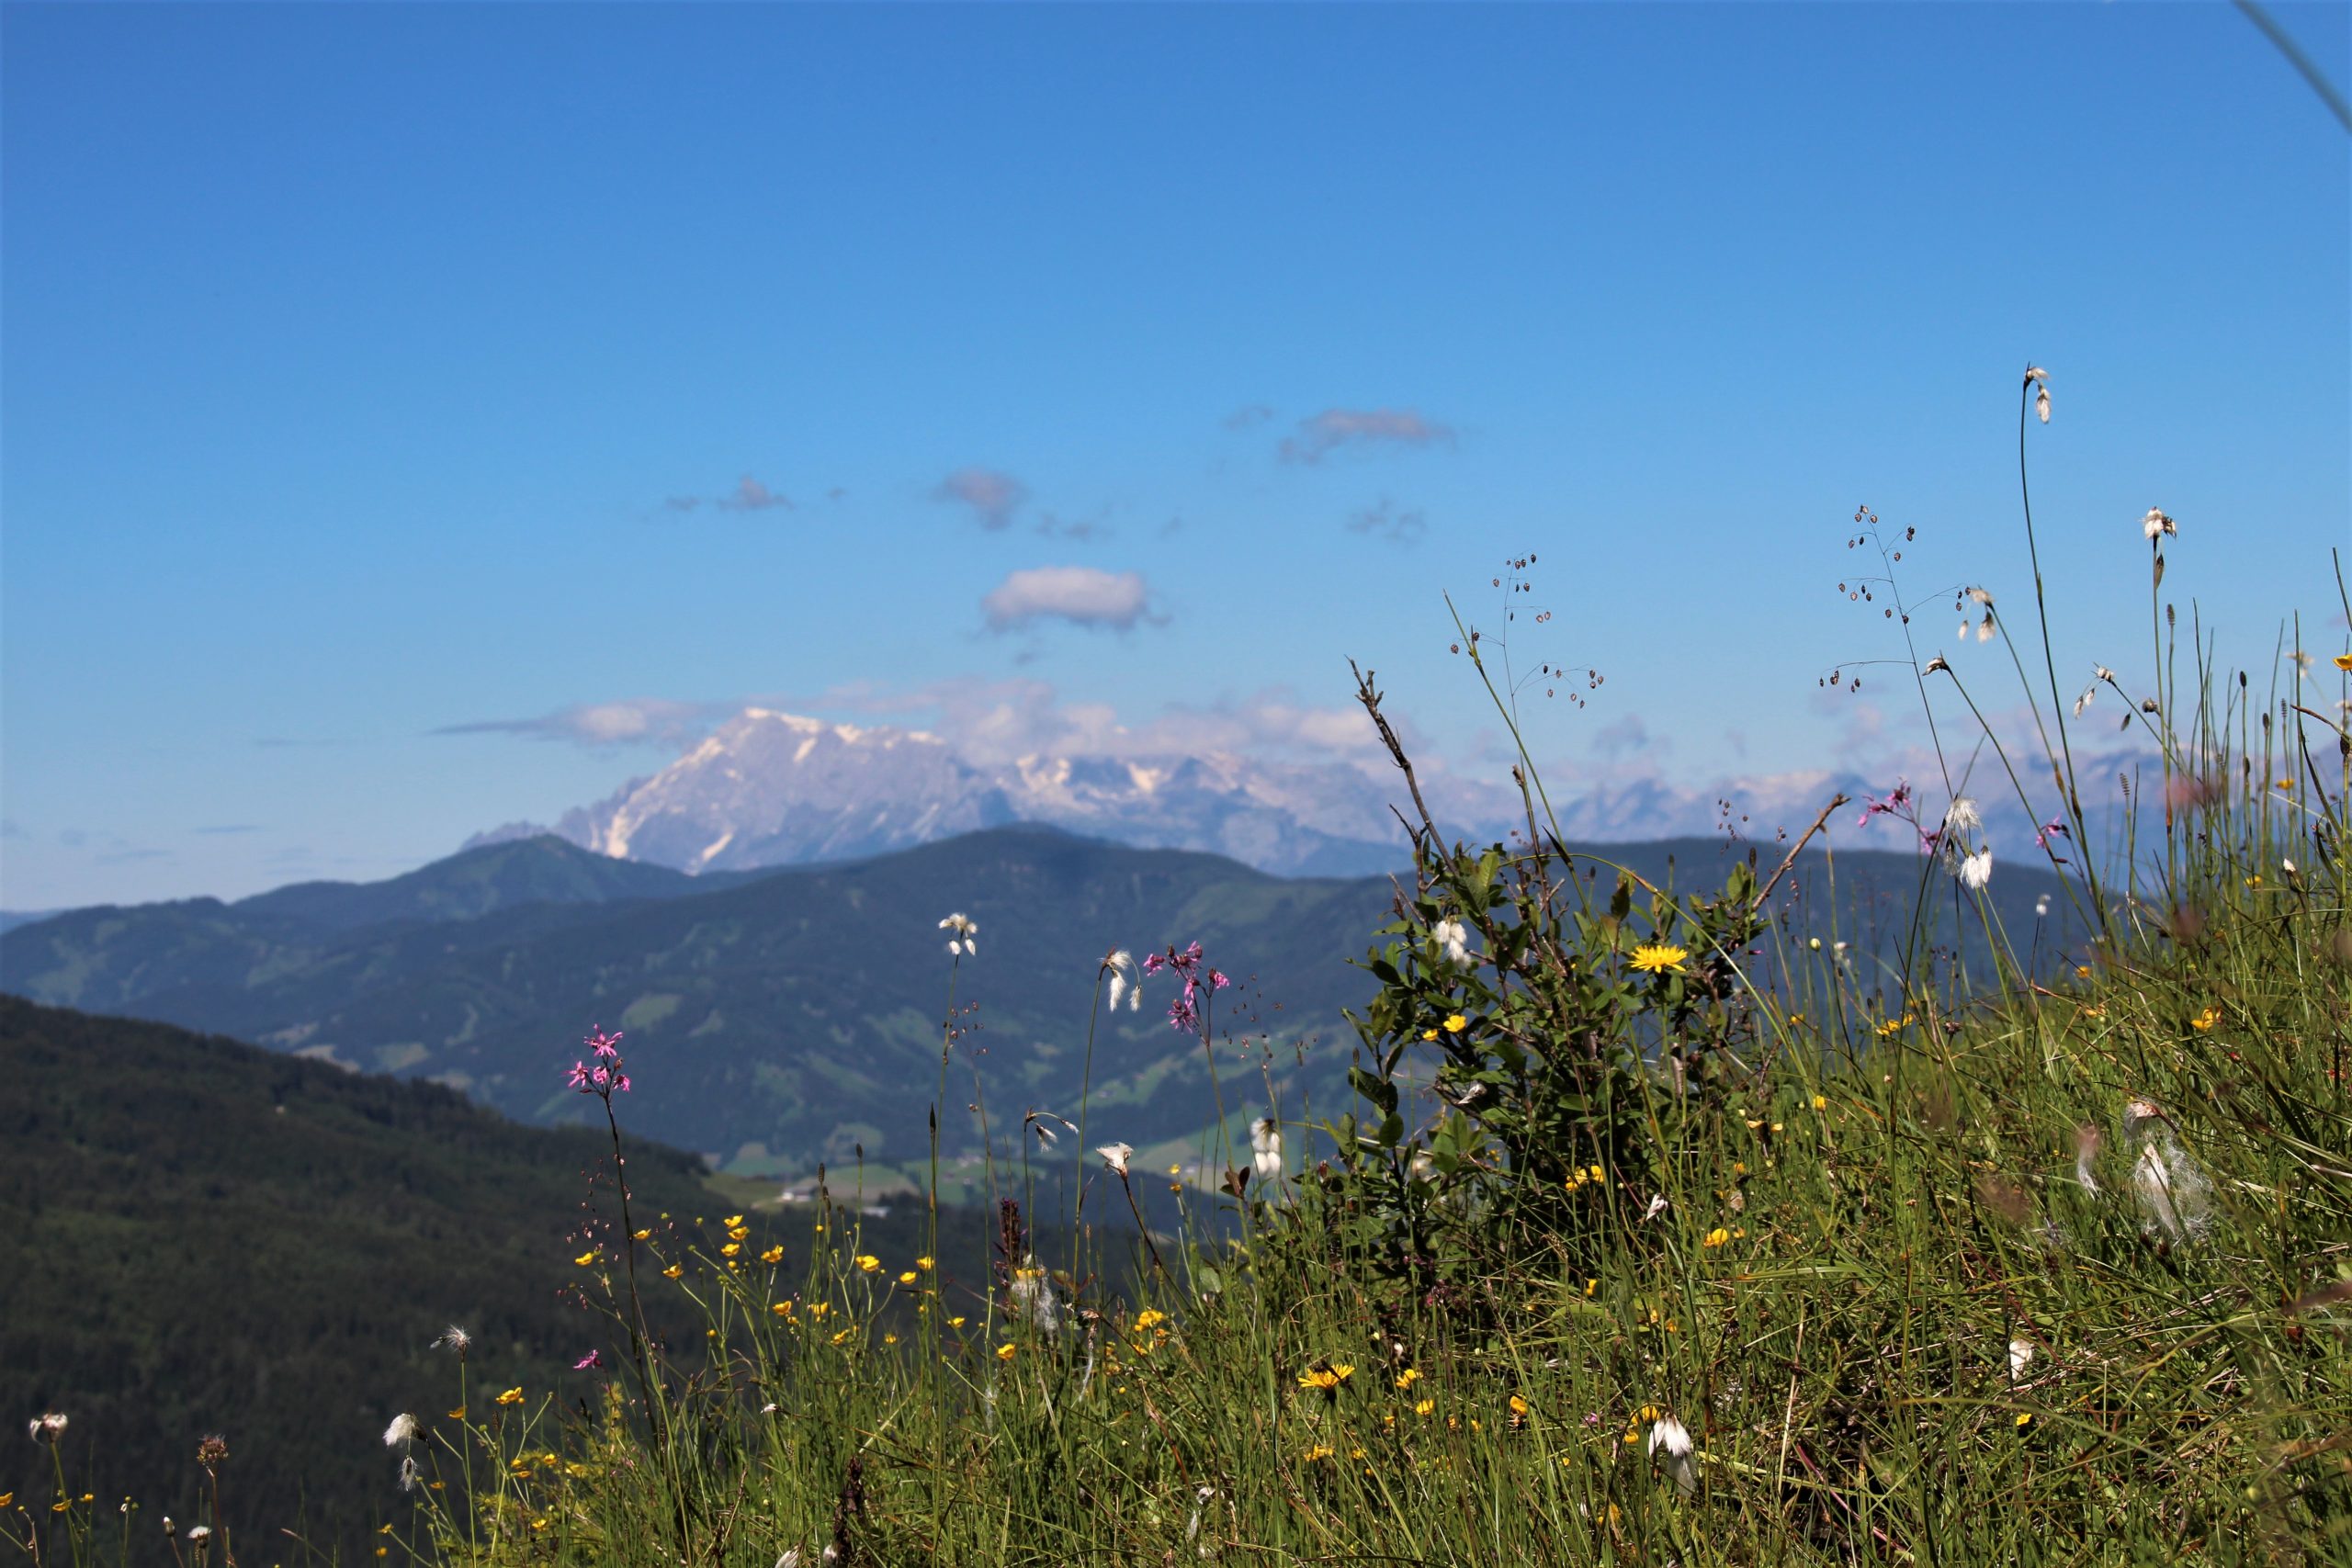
[[768, 788], [791, 1015]]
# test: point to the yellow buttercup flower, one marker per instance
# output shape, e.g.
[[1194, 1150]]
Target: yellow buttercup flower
[[868, 1263], [1715, 1237], [1659, 958], [512, 1396], [731, 1249], [1455, 1023], [957, 1321], [2344, 661], [782, 1309], [731, 1221], [1150, 1317], [1425, 1407], [586, 1257], [673, 1271], [2206, 1019], [1316, 1453], [772, 1255], [1007, 1351], [1517, 1406], [640, 1235], [908, 1277], [922, 1263]]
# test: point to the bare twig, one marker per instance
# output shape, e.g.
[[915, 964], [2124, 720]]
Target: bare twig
[[1790, 859]]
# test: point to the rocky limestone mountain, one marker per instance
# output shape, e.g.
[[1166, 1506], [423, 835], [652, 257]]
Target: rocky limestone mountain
[[769, 788]]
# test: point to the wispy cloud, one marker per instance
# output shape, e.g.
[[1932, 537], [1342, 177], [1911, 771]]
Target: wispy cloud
[[1397, 525], [635, 721], [1319, 435], [749, 495], [1623, 736], [1248, 417], [993, 496], [1079, 530], [1081, 595]]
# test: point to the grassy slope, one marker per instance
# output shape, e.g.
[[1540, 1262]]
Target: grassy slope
[[1894, 1326]]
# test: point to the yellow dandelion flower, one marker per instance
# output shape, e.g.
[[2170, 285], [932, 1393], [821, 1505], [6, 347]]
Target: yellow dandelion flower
[[1455, 1023], [1408, 1376], [1425, 1407], [1659, 958]]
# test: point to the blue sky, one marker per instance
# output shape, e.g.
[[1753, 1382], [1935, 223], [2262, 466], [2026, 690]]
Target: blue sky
[[360, 361]]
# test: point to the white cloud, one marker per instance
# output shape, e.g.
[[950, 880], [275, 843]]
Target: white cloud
[[1320, 434], [1081, 595]]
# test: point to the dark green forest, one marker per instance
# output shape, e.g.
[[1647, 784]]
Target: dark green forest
[[206, 1237]]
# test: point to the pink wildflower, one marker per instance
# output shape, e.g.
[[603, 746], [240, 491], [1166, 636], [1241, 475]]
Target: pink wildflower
[[605, 1078], [1185, 1012]]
